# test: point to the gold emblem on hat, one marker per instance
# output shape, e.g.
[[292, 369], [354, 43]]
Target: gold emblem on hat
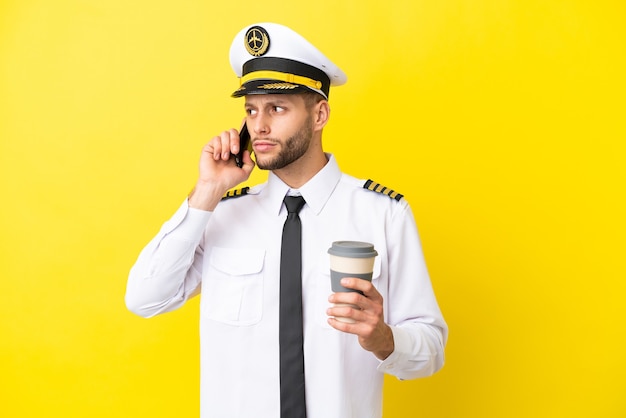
[[278, 86], [257, 41]]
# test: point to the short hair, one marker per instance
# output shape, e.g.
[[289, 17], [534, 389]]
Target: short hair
[[311, 98]]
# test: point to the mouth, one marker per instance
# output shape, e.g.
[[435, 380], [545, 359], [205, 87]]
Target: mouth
[[263, 145]]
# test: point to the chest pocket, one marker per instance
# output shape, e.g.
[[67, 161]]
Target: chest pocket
[[232, 286]]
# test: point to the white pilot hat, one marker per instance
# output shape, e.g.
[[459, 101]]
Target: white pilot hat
[[271, 58]]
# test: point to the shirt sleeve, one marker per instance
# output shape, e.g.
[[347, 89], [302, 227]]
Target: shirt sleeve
[[168, 270], [419, 330]]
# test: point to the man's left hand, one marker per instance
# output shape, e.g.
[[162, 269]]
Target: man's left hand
[[369, 323]]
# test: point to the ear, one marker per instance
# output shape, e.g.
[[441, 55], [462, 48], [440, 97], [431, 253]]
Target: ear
[[321, 114]]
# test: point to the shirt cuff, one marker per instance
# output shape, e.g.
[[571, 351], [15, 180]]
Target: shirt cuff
[[401, 351]]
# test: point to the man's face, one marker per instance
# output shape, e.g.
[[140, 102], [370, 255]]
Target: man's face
[[281, 128]]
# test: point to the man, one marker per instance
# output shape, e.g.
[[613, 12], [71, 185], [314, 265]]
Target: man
[[229, 245]]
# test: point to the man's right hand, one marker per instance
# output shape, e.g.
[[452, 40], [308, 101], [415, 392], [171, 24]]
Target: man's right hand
[[218, 171]]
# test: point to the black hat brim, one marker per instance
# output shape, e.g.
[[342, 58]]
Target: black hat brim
[[267, 86]]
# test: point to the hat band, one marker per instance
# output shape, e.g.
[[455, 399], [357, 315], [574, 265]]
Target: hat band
[[276, 75]]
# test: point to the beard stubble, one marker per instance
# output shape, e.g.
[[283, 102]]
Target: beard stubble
[[292, 149]]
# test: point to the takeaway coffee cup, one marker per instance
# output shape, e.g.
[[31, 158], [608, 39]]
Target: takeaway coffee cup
[[350, 259]]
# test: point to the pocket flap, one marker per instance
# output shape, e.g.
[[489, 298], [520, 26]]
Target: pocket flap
[[237, 261]]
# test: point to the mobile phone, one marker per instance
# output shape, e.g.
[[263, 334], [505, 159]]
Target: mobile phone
[[244, 143]]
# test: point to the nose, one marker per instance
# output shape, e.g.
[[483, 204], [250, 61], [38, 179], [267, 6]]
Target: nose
[[260, 125]]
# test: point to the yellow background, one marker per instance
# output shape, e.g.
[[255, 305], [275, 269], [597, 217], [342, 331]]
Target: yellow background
[[501, 121]]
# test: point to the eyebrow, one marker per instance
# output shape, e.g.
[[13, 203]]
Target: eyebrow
[[272, 102]]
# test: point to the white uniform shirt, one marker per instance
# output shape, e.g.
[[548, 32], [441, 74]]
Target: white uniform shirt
[[234, 254]]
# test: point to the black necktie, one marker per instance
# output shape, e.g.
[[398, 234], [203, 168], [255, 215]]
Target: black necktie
[[292, 402]]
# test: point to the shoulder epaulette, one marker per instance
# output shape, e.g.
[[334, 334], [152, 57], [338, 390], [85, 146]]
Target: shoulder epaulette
[[376, 187], [236, 193]]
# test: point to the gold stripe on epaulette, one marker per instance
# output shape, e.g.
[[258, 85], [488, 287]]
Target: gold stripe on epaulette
[[377, 187], [236, 193]]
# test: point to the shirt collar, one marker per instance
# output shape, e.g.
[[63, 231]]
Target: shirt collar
[[316, 191]]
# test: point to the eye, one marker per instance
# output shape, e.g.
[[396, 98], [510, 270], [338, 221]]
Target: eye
[[278, 109], [251, 112]]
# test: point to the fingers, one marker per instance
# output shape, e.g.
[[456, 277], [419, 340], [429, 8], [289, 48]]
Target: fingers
[[355, 305], [353, 319], [218, 171], [363, 316], [225, 144], [348, 298], [217, 163], [364, 286]]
